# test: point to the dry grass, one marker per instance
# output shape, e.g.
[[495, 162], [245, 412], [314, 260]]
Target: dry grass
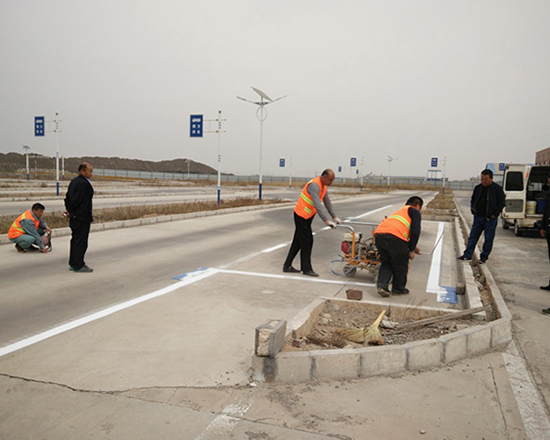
[[55, 220]]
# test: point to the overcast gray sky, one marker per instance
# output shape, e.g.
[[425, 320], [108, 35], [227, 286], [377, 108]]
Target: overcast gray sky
[[414, 79]]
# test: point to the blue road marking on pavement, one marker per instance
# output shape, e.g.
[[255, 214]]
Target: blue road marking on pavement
[[449, 296], [190, 273]]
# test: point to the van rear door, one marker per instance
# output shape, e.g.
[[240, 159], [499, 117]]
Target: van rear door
[[515, 180]]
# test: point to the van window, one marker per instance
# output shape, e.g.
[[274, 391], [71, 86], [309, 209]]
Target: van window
[[514, 181]]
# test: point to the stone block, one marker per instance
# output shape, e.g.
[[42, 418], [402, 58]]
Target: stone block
[[479, 339], [336, 364], [424, 354], [385, 359], [354, 294], [501, 332], [293, 366], [270, 338], [455, 346]]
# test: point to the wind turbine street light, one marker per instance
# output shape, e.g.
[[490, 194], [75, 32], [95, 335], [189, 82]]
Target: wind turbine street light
[[261, 114], [390, 160], [27, 148]]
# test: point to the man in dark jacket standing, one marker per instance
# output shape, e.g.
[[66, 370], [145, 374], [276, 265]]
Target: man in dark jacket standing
[[78, 203], [487, 203], [545, 232]]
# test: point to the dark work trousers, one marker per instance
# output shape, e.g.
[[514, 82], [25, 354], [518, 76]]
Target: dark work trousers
[[79, 242], [303, 242], [394, 259], [481, 224]]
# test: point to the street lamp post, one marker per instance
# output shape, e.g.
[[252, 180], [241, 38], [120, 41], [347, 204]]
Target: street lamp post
[[56, 130], [26, 148], [261, 114]]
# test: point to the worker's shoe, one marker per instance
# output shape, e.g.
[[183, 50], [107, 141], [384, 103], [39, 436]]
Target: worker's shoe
[[71, 268], [463, 258], [383, 291], [290, 269], [546, 311], [545, 287], [482, 260], [400, 291], [310, 273], [19, 248], [84, 269]]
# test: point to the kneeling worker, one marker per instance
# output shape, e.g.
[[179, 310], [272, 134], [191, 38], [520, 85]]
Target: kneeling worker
[[313, 196], [396, 239], [28, 229]]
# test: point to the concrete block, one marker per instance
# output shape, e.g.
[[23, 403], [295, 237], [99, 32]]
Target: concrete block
[[460, 288], [479, 339], [386, 359], [131, 223], [336, 364], [164, 218], [424, 354], [149, 221], [294, 366], [270, 338], [501, 332], [455, 346], [354, 294], [111, 225], [302, 323], [95, 227]]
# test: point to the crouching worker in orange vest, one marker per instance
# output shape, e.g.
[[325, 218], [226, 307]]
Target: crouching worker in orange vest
[[308, 205], [28, 230], [396, 239]]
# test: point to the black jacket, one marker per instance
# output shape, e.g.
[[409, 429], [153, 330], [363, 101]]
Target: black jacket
[[496, 200], [78, 200], [546, 215]]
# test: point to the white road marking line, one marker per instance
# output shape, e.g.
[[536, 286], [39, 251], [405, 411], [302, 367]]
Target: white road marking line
[[274, 248], [435, 268], [535, 420], [291, 277], [370, 212], [223, 424], [197, 276]]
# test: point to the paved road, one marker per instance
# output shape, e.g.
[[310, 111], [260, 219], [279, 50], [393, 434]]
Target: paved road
[[175, 367]]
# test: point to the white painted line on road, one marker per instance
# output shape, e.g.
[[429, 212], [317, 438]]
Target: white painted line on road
[[196, 276], [371, 212], [274, 248], [535, 420], [291, 277], [435, 268], [223, 424]]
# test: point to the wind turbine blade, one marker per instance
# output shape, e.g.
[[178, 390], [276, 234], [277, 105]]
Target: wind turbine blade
[[262, 94], [279, 98], [252, 102]]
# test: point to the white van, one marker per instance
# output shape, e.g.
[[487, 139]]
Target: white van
[[525, 199]]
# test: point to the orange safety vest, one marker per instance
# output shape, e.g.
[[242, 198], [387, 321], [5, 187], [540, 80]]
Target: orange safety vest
[[304, 208], [398, 224], [16, 230]]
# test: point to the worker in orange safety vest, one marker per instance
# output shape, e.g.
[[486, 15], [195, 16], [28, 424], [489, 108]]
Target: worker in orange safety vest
[[309, 203], [396, 239], [29, 229]]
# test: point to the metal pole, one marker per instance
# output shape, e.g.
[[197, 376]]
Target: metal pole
[[63, 168], [443, 183], [187, 169], [219, 157], [290, 177], [27, 164], [261, 116], [57, 153]]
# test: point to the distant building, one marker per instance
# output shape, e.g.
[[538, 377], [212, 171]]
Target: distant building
[[543, 157]]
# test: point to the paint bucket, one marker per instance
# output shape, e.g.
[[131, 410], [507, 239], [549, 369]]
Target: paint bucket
[[530, 207]]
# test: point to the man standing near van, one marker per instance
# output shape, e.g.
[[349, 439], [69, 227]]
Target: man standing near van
[[486, 204]]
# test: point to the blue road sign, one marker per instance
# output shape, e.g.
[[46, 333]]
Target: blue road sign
[[353, 162], [281, 162], [195, 126], [434, 161], [501, 166], [356, 171], [39, 126], [339, 168]]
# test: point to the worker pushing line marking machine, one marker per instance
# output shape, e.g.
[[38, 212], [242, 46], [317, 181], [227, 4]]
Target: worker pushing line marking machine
[[358, 254]]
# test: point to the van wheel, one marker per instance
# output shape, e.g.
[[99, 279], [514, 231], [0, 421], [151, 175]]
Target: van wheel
[[505, 224], [517, 230]]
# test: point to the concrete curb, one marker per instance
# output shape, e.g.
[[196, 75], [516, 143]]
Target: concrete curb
[[97, 227], [385, 360]]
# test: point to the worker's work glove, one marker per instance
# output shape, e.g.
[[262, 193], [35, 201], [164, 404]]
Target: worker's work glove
[[331, 224], [337, 220]]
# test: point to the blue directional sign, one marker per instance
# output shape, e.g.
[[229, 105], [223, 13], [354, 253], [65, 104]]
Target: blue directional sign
[[339, 168], [353, 162], [39, 126], [501, 166], [434, 161], [281, 162], [195, 126], [356, 171]]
